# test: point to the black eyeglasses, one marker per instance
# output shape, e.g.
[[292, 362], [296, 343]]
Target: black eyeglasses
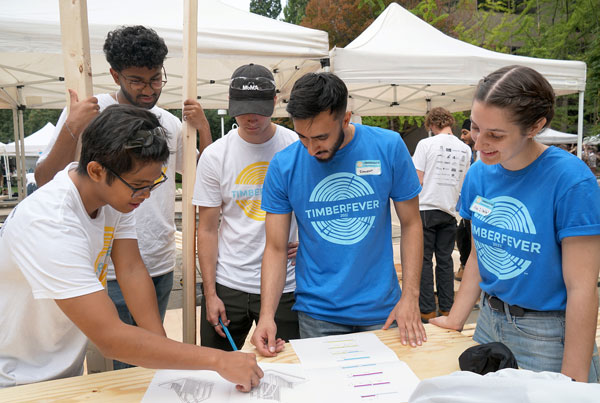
[[155, 83], [141, 190]]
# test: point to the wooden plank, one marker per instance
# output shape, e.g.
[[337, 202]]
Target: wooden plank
[[190, 90], [439, 356], [127, 385], [75, 41]]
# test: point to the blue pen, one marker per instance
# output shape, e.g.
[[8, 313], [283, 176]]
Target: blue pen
[[228, 335]]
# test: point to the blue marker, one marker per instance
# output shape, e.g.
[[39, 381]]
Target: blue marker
[[228, 335]]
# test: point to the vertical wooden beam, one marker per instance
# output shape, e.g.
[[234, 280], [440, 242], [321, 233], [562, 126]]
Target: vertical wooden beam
[[190, 90], [75, 40]]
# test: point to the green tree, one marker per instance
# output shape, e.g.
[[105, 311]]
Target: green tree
[[294, 11], [550, 29], [268, 8]]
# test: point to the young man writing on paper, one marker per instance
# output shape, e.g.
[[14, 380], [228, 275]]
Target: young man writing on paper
[[55, 246]]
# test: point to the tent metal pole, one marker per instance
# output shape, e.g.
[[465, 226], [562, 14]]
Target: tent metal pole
[[17, 153], [21, 155], [7, 173], [190, 91], [580, 124]]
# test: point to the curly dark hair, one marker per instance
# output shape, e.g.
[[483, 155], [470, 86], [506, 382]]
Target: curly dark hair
[[440, 118], [134, 46]]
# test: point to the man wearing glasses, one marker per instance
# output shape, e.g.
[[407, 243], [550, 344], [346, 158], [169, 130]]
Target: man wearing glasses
[[54, 249], [229, 180], [136, 55]]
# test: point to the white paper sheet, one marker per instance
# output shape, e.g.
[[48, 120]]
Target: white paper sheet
[[281, 383], [348, 349], [350, 368], [355, 367]]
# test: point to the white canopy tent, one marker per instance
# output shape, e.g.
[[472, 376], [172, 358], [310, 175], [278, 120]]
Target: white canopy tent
[[402, 66], [30, 49], [35, 143], [551, 136], [31, 60]]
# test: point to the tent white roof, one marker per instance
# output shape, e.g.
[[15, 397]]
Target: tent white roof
[[30, 48], [35, 143], [551, 136], [400, 61]]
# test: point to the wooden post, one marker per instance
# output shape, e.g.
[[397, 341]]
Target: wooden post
[[190, 90], [75, 40]]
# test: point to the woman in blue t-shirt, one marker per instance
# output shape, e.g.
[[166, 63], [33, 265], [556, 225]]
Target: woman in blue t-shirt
[[535, 214]]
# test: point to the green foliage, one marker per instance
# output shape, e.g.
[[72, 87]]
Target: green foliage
[[214, 120], [550, 29], [378, 5], [268, 8], [429, 12], [294, 11]]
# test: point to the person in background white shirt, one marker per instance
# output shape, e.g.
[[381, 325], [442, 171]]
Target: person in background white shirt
[[441, 162], [55, 246]]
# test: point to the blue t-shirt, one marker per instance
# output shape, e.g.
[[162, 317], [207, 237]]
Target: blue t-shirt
[[524, 215], [344, 267]]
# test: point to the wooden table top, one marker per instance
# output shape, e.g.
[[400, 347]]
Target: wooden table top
[[438, 356]]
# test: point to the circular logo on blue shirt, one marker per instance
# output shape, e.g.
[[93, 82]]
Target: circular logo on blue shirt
[[500, 251], [342, 208]]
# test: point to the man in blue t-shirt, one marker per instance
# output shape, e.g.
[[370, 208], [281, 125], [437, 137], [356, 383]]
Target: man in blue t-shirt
[[338, 181]]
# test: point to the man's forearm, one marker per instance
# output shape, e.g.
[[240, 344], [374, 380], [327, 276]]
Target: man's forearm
[[411, 257], [272, 280], [62, 153], [207, 246]]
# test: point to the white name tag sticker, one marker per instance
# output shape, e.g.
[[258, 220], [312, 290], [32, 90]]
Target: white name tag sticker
[[482, 206], [368, 167]]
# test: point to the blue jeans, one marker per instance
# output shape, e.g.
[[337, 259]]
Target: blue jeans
[[311, 327], [162, 285], [537, 339]]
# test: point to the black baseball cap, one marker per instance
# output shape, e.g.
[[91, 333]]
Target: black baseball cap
[[251, 90]]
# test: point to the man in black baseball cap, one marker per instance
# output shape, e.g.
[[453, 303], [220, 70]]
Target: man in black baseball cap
[[229, 182], [252, 91]]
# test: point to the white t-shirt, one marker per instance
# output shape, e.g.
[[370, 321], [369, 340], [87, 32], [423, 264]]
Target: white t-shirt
[[444, 159], [51, 249], [155, 217], [230, 174]]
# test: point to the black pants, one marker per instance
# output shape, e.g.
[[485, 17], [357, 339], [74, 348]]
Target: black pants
[[463, 240], [439, 234], [242, 309]]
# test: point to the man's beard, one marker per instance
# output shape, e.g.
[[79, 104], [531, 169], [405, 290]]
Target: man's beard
[[335, 147], [132, 100]]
